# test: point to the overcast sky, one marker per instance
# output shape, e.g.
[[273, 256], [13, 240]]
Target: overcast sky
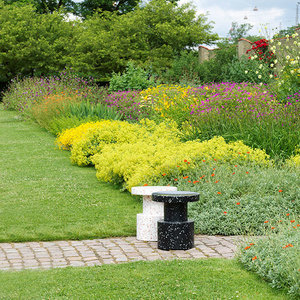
[[275, 14], [271, 13]]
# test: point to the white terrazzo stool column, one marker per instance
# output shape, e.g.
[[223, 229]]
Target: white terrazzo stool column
[[146, 223]]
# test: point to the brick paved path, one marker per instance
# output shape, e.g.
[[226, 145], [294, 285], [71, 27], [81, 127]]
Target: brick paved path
[[59, 254]]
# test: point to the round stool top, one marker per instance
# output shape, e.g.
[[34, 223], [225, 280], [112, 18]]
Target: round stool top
[[149, 190], [175, 196]]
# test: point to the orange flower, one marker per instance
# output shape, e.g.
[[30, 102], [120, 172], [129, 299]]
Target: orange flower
[[145, 184], [266, 221], [254, 258], [175, 179], [280, 191], [236, 166], [295, 227], [189, 181], [248, 152], [233, 173], [214, 169], [298, 225], [280, 220], [272, 227], [212, 174], [248, 247], [217, 181], [215, 159], [287, 214], [164, 174], [292, 221], [203, 160], [185, 177], [247, 172], [185, 160], [195, 181], [219, 193], [238, 203], [239, 153], [188, 162], [177, 166], [251, 244]]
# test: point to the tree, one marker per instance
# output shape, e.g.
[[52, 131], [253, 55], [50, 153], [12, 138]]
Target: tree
[[32, 43], [237, 31], [46, 6], [151, 35], [89, 7]]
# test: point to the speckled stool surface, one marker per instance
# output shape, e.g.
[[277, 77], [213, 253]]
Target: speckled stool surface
[[59, 254]]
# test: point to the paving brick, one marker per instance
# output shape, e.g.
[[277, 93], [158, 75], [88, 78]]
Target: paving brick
[[58, 254]]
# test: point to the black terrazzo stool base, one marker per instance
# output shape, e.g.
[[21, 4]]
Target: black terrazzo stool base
[[175, 235], [175, 232]]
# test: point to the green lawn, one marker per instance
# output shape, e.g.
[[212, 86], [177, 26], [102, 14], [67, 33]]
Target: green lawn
[[197, 279], [44, 197]]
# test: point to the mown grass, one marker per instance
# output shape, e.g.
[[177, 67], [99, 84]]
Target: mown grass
[[44, 197], [177, 279]]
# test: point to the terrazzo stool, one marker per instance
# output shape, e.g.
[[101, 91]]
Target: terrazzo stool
[[175, 232], [146, 223]]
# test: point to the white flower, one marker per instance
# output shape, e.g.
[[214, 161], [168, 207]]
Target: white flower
[[256, 72], [275, 61], [279, 43], [271, 65], [260, 84], [246, 72], [260, 66], [259, 76], [292, 71], [271, 41], [287, 47], [271, 76], [287, 57]]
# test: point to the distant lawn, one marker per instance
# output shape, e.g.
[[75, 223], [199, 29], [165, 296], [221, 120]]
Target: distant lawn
[[44, 197], [196, 279]]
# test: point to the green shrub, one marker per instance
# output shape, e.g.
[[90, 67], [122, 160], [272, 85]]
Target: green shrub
[[215, 69], [276, 257], [185, 69], [244, 70], [134, 78], [237, 199]]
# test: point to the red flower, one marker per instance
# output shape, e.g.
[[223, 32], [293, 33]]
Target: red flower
[[238, 203], [213, 175], [145, 184], [164, 174], [219, 193], [175, 179], [266, 221], [248, 247], [292, 221], [225, 212], [185, 160], [195, 181], [185, 177], [280, 191], [254, 258], [287, 214]]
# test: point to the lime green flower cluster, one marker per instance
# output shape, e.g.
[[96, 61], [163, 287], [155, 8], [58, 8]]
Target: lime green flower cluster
[[134, 154], [88, 139]]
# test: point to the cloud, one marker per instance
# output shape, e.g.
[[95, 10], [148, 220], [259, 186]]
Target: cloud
[[236, 11]]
